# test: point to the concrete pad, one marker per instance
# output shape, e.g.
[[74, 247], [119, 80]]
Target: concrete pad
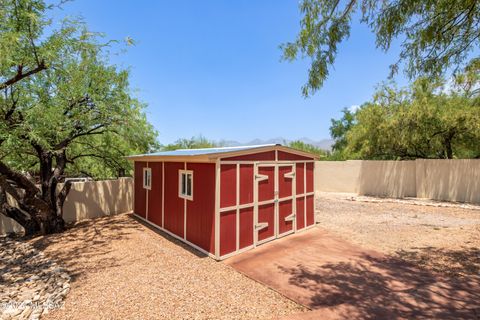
[[340, 280]]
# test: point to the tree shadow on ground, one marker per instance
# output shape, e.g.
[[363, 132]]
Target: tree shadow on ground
[[87, 244], [392, 287]]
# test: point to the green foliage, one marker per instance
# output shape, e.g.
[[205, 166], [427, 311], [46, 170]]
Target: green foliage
[[302, 146], [436, 35], [427, 120], [76, 104], [192, 143], [340, 127]]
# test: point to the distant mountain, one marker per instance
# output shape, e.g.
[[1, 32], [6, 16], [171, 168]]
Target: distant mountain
[[325, 144]]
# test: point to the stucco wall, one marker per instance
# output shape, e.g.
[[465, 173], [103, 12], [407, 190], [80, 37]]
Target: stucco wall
[[89, 200], [451, 180]]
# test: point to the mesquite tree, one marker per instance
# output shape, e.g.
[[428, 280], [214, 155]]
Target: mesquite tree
[[61, 103], [436, 35]]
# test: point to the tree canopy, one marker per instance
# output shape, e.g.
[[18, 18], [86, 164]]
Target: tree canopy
[[198, 142], [435, 35], [436, 119], [64, 109]]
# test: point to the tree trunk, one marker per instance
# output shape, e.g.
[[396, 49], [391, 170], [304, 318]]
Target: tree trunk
[[37, 211]]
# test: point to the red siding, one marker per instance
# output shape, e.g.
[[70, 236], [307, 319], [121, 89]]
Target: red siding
[[266, 213], [266, 188], [201, 210], [228, 185], [300, 177], [246, 227], [284, 209], [140, 192], [174, 205], [300, 213], [246, 183], [261, 156], [291, 156], [310, 177], [285, 184], [310, 210], [155, 194], [228, 230]]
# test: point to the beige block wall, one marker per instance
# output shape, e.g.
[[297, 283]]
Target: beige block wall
[[88, 200], [337, 176], [395, 179], [450, 180]]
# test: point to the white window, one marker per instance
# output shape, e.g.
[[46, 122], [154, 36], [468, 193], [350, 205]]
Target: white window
[[185, 184], [147, 178]]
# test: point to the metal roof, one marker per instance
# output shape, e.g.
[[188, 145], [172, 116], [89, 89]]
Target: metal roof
[[203, 151]]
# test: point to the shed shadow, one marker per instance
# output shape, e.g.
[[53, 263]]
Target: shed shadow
[[391, 287], [170, 238]]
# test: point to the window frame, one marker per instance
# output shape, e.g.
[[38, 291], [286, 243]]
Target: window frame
[[149, 172], [180, 175]]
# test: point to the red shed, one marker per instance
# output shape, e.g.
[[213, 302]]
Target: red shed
[[223, 201]]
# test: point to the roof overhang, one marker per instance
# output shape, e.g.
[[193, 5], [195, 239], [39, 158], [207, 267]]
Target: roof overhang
[[213, 157]]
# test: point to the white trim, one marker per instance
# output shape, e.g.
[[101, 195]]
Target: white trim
[[217, 209], [305, 195], [149, 170], [163, 194], [186, 172], [147, 188], [185, 198], [241, 206], [267, 162], [231, 254], [176, 236], [237, 246], [260, 226]]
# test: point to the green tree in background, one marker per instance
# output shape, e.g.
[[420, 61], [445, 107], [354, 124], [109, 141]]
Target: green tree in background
[[63, 109], [192, 143], [302, 146], [436, 35], [427, 120]]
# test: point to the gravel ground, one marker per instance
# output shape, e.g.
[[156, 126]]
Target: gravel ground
[[123, 270], [443, 237]]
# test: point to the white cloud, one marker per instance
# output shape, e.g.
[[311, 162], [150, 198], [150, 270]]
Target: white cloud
[[353, 107]]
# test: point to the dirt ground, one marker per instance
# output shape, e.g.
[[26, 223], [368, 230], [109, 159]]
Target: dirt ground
[[122, 269], [441, 238]]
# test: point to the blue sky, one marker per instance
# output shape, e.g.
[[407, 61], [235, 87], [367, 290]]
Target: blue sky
[[213, 67]]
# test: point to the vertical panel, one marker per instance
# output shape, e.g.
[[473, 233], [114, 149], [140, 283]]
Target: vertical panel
[[310, 177], [284, 209], [228, 229], [201, 211], [285, 184], [246, 227], [140, 193], [310, 210], [155, 194], [246, 183], [174, 205], [266, 188], [266, 214], [300, 213], [299, 176], [228, 184]]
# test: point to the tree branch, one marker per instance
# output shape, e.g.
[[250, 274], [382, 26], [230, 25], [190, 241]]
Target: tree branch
[[21, 75]]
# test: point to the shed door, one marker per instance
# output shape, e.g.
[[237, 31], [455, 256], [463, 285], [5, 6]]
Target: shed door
[[286, 207], [274, 198], [265, 199]]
